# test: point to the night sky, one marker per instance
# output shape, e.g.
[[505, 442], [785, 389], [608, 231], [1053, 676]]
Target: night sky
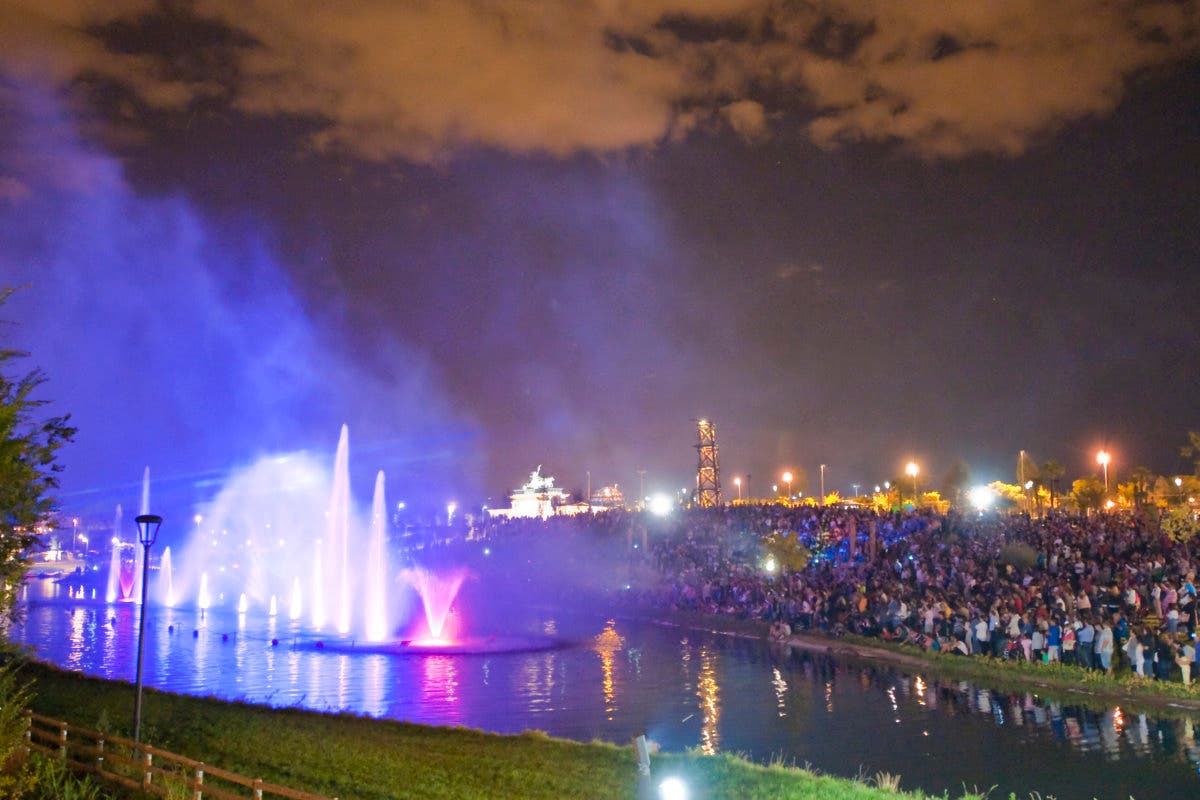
[[490, 235]]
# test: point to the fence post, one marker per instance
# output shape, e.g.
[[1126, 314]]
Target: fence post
[[258, 790], [146, 776], [198, 783], [100, 755], [62, 741]]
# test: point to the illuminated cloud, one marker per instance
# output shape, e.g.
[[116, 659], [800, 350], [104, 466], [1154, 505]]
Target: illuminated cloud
[[423, 80]]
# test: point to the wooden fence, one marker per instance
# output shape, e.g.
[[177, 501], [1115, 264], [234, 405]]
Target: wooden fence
[[140, 766]]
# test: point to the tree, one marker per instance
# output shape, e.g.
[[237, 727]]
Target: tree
[[1181, 525], [1192, 450], [28, 470], [1087, 493], [1142, 479], [955, 481], [1051, 472], [789, 554]]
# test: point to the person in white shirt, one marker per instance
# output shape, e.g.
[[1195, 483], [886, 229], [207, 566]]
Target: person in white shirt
[[1187, 655]]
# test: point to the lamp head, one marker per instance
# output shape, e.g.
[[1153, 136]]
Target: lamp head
[[148, 525]]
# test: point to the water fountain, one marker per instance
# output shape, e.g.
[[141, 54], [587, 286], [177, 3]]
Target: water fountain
[[286, 528], [114, 591]]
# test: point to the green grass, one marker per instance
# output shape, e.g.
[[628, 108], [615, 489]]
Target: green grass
[[359, 758]]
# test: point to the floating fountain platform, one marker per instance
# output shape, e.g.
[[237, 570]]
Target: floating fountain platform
[[428, 647]]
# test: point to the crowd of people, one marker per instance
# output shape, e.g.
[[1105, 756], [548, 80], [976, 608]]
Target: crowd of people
[[1096, 591]]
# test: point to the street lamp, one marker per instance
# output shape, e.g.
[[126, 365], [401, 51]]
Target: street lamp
[[787, 478], [738, 483], [912, 469], [822, 484], [1102, 458], [148, 525]]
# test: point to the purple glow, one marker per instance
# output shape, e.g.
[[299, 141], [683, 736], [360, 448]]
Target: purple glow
[[437, 594], [288, 527], [377, 625], [113, 590]]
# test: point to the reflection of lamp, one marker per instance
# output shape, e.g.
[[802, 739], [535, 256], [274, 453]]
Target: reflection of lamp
[[148, 525]]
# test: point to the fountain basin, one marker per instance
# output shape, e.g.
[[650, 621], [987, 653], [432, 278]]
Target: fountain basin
[[484, 645]]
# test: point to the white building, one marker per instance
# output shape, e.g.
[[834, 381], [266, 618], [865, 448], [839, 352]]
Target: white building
[[539, 497]]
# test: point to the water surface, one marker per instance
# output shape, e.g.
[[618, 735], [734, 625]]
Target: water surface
[[684, 689]]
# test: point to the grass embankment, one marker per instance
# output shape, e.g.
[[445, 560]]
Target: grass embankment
[[359, 758]]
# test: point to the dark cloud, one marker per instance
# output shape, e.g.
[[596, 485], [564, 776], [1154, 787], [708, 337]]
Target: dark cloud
[[423, 80]]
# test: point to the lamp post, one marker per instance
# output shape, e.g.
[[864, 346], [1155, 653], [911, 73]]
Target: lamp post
[[822, 484], [912, 469], [738, 483], [148, 525], [787, 478], [1179, 489], [1102, 458]]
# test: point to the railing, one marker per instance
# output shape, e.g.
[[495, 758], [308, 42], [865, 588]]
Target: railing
[[140, 766]]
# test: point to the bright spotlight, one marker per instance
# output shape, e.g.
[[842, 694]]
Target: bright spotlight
[[672, 789], [769, 565], [660, 505], [982, 497]]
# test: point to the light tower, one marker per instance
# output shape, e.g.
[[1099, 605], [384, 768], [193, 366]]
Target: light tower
[[708, 478]]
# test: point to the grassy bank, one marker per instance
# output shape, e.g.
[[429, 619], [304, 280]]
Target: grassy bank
[[359, 758]]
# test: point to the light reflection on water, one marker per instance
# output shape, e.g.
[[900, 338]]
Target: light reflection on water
[[684, 690]]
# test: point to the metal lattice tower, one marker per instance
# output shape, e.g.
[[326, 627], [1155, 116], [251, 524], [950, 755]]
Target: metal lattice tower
[[708, 478]]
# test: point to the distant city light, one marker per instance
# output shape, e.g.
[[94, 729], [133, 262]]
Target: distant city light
[[672, 789], [982, 497], [660, 505]]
